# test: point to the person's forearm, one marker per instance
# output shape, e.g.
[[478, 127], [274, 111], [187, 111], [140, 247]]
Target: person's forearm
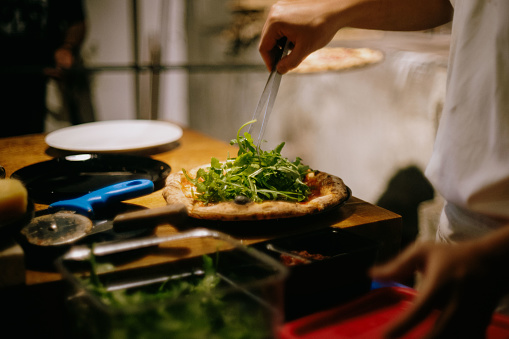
[[74, 36], [65, 55], [393, 15], [311, 24]]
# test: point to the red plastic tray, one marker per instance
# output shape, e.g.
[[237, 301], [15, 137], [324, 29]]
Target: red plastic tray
[[368, 316]]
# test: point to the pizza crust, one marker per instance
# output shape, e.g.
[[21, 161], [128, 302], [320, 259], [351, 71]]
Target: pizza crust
[[337, 59], [332, 193]]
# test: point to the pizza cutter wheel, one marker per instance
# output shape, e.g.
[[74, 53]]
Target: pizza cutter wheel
[[57, 229]]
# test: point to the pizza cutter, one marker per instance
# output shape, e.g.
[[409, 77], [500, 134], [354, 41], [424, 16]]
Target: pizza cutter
[[75, 228], [69, 220]]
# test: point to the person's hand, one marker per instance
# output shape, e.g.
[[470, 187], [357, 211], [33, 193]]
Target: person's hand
[[465, 281], [64, 57], [307, 24], [64, 60]]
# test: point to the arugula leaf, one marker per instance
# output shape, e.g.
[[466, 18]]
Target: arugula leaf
[[256, 174]]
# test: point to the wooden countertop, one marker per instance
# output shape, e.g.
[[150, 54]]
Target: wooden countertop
[[195, 149]]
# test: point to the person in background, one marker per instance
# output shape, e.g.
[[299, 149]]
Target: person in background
[[466, 272], [39, 39]]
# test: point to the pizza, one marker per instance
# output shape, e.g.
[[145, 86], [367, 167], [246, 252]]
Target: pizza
[[254, 185], [327, 191], [337, 59]]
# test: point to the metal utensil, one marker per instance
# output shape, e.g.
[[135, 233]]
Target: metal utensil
[[84, 252], [268, 96], [66, 221]]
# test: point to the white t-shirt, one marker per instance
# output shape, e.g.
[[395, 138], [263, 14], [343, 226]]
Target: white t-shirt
[[470, 161]]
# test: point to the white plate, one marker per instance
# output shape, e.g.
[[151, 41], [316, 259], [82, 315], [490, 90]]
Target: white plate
[[114, 136]]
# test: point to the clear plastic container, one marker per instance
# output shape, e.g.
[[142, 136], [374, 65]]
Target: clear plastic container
[[200, 284]]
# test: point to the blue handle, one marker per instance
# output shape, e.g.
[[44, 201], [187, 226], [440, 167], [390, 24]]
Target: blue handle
[[86, 204]]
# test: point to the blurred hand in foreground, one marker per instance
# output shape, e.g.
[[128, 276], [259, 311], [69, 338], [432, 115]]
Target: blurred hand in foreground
[[465, 281]]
